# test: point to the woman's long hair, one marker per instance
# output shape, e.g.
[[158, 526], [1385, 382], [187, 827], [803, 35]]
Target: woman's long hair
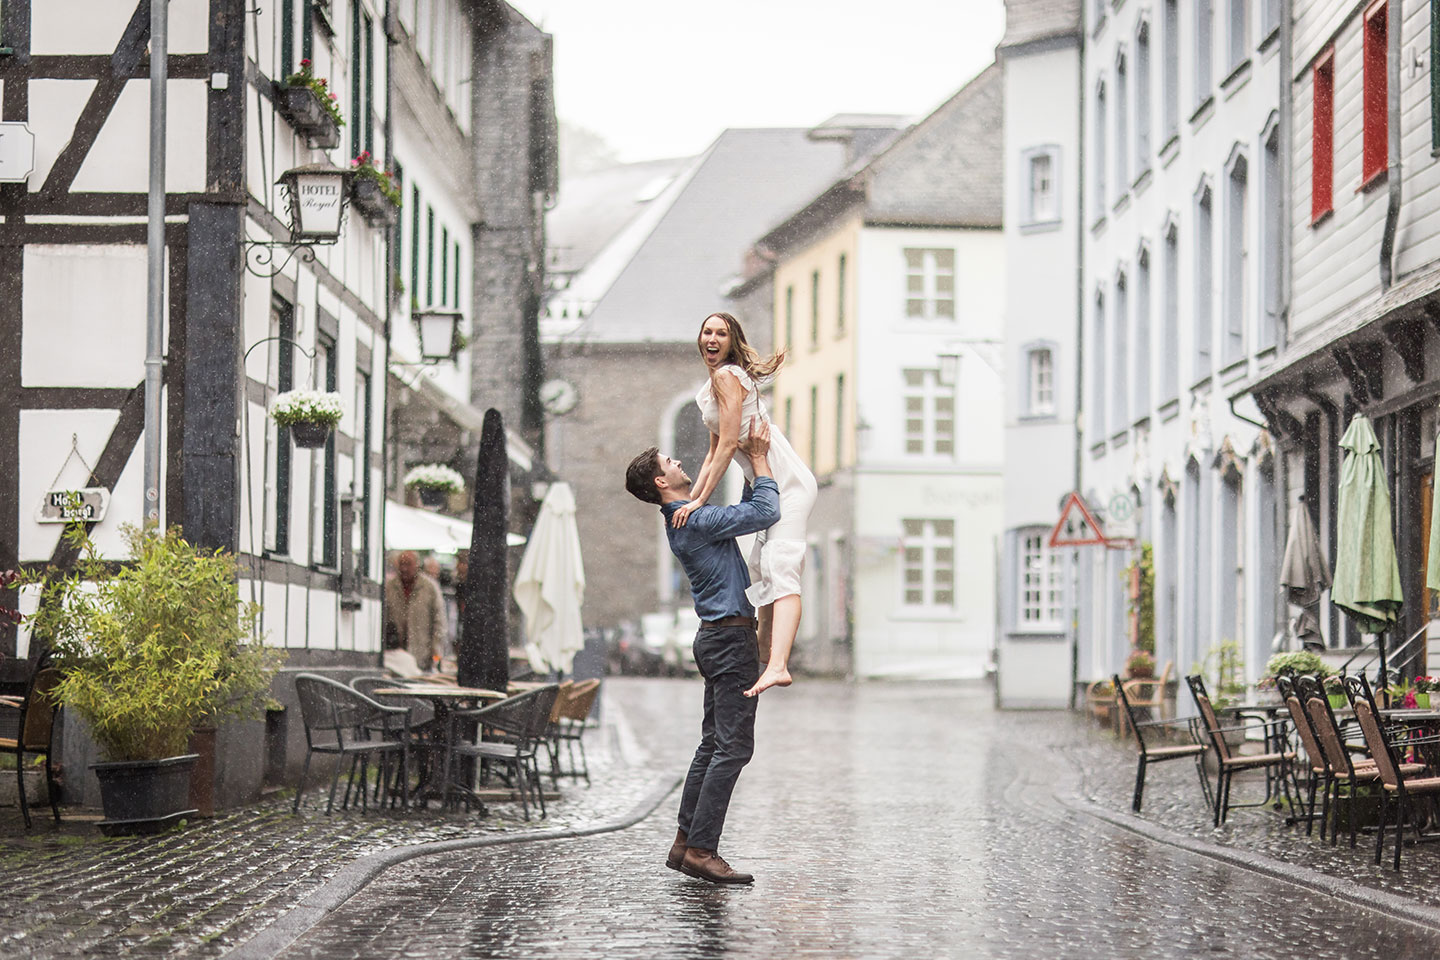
[[741, 353]]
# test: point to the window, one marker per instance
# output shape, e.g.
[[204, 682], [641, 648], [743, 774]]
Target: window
[[415, 244], [1204, 52], [1272, 226], [307, 30], [814, 309], [929, 284], [1204, 280], [1231, 545], [362, 82], [1170, 336], [814, 427], [1322, 149], [1120, 370], [1040, 383], [929, 547], [324, 537], [279, 377], [429, 256], [1269, 18], [1377, 146], [1142, 333], [839, 420], [1142, 99], [1237, 33], [287, 38], [360, 482], [1099, 166], [1043, 202], [1095, 418], [1042, 584], [789, 319], [455, 280], [1237, 257], [840, 297], [1122, 125], [929, 414], [1171, 70]]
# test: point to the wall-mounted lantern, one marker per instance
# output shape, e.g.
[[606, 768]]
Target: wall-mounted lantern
[[317, 197], [440, 336]]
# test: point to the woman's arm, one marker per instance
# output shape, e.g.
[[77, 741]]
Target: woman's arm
[[729, 394]]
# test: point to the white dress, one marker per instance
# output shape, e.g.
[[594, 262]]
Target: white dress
[[778, 557]]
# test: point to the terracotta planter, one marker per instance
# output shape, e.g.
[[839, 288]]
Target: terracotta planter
[[144, 796]]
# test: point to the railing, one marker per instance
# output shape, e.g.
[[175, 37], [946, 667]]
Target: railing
[[1398, 655]]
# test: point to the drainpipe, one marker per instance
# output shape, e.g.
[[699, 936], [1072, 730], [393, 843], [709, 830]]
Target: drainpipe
[[155, 240], [1080, 188], [1394, 23], [1287, 148]]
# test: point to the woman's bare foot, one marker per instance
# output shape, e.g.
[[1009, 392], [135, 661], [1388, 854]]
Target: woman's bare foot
[[772, 677]]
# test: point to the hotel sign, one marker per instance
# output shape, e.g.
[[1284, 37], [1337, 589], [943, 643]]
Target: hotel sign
[[86, 505]]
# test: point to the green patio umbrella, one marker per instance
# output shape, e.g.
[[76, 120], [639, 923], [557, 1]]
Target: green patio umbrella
[[1367, 575]]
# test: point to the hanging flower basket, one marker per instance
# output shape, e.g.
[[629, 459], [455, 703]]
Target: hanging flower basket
[[306, 101], [434, 482], [310, 415], [373, 192]]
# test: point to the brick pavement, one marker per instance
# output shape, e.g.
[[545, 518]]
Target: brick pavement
[[881, 821]]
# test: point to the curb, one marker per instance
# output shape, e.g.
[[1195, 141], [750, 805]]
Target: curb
[[294, 923], [1391, 905]]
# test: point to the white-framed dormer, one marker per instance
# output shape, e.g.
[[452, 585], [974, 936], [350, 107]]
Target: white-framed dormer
[[1040, 199]]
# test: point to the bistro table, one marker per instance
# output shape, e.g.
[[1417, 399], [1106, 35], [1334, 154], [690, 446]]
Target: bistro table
[[445, 698], [1275, 716]]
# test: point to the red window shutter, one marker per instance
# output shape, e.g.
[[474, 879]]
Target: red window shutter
[[1376, 115], [1322, 154]]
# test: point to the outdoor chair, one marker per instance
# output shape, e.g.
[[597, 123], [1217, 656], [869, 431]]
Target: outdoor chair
[[1146, 696], [343, 722], [567, 726], [1319, 768], [1231, 763], [522, 721], [1393, 779], [35, 732], [1100, 701], [1158, 753], [422, 714]]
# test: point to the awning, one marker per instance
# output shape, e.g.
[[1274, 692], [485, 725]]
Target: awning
[[410, 528]]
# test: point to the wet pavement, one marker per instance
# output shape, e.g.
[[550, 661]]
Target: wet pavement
[[891, 821]]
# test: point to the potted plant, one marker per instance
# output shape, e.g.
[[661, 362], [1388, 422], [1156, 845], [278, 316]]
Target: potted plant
[[1297, 663], [306, 101], [374, 192], [434, 482], [1140, 665], [1335, 690], [147, 651], [310, 415], [1424, 686]]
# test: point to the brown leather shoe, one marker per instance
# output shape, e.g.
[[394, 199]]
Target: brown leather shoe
[[677, 851], [709, 865]]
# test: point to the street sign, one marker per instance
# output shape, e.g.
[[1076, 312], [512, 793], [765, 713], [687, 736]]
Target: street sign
[[86, 505], [1077, 526], [17, 152]]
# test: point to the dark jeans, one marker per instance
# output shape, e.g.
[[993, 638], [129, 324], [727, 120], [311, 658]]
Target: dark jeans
[[730, 663]]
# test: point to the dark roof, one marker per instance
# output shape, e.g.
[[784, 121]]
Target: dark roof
[[747, 180], [593, 207], [1029, 20]]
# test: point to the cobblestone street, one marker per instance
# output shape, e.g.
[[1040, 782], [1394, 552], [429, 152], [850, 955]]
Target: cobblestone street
[[880, 821]]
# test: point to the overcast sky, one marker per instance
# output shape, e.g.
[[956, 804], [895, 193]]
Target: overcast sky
[[661, 78]]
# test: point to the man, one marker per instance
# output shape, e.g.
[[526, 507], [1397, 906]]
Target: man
[[725, 645], [415, 611]]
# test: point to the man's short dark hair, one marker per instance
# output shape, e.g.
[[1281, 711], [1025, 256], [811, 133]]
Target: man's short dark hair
[[640, 476]]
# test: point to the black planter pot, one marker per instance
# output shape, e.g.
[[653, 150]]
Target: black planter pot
[[309, 433], [367, 197], [144, 796], [433, 496], [309, 116]]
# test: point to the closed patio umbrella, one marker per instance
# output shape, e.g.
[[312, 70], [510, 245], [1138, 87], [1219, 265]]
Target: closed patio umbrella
[[1432, 562], [1303, 574], [550, 584], [1367, 575]]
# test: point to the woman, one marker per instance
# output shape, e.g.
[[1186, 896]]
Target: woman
[[728, 404]]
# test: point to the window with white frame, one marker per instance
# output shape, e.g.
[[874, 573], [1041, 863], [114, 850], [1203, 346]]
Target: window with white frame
[[1120, 363], [929, 562], [929, 414], [929, 283], [1237, 255], [1043, 194], [1204, 51], [1040, 380], [1122, 124], [1204, 279], [1237, 32], [1171, 70], [1042, 584], [1101, 123], [1142, 98]]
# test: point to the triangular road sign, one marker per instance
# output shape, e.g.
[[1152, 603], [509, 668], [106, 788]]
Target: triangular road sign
[[1077, 526]]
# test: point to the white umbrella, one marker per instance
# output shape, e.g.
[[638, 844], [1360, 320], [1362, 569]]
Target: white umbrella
[[550, 585]]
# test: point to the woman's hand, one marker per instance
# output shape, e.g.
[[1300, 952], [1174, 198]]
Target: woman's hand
[[678, 518]]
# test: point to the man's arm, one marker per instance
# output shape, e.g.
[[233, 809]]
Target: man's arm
[[761, 506]]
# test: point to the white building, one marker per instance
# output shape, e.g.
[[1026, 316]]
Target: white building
[[1040, 55], [1182, 298]]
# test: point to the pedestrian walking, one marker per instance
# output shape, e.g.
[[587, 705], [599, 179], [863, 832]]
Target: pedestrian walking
[[726, 650], [415, 611]]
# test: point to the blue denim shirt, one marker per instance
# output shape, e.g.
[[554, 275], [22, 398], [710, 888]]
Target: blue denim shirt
[[706, 548]]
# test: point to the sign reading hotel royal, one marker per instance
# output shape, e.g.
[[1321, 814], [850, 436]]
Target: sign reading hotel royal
[[320, 198], [86, 505]]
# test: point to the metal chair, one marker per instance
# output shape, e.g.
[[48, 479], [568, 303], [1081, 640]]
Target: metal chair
[[518, 725], [1231, 763], [35, 733], [1159, 753], [1393, 780], [1320, 772], [567, 726], [350, 719], [1146, 695]]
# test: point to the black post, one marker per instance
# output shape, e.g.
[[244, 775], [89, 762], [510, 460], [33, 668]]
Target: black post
[[483, 657]]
